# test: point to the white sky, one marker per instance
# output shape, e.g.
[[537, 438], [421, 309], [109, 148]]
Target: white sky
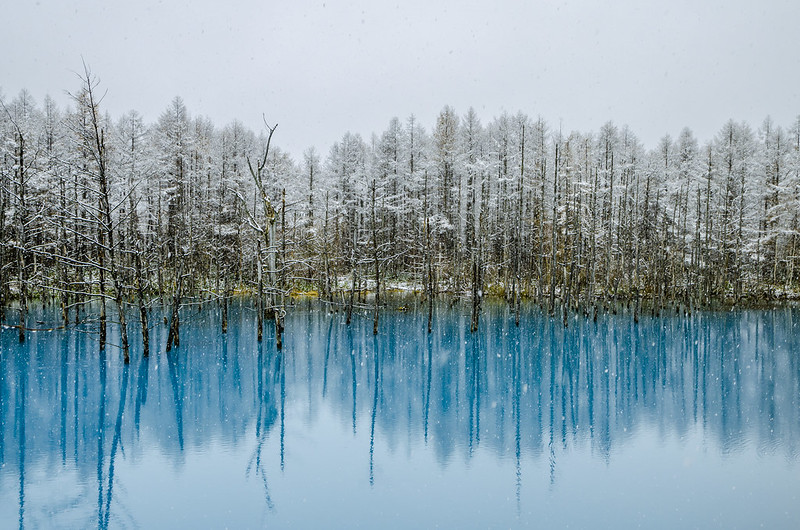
[[322, 68]]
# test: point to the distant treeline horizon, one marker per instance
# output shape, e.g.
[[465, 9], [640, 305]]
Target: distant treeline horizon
[[94, 206]]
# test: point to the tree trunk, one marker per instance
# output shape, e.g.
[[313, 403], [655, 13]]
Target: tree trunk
[[260, 302], [102, 289], [554, 238], [281, 311], [377, 264], [225, 304], [173, 336], [517, 237], [352, 296], [142, 308], [22, 221]]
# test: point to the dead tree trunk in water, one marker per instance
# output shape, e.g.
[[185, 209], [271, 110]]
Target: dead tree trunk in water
[[225, 296], [431, 293], [94, 142], [554, 239], [62, 266], [267, 229], [353, 283], [142, 309], [173, 336], [477, 278], [517, 237], [3, 230], [270, 291], [280, 313], [102, 289], [428, 259], [475, 297], [22, 222], [568, 278], [377, 264], [260, 302], [21, 226]]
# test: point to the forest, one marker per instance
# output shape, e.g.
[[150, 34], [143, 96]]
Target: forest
[[110, 217]]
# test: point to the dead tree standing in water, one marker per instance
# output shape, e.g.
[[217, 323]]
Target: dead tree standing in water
[[429, 285], [20, 174], [517, 237], [377, 263], [93, 140], [173, 336], [267, 229]]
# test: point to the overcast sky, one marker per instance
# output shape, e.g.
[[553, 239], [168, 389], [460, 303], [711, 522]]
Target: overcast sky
[[322, 68]]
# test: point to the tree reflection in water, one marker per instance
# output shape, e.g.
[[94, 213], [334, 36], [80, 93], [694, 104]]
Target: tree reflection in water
[[539, 391]]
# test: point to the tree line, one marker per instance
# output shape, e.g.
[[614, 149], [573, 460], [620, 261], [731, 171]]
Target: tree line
[[131, 216]]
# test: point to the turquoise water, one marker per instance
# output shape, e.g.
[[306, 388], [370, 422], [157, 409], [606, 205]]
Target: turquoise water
[[690, 422]]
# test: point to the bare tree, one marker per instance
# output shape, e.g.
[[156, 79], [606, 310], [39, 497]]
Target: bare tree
[[266, 228], [93, 140]]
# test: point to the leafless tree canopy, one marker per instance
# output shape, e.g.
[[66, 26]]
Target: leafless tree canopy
[[113, 209]]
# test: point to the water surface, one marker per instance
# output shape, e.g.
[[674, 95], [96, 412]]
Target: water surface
[[677, 422]]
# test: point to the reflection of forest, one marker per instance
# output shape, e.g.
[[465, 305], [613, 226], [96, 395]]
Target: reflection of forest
[[532, 390], [525, 389]]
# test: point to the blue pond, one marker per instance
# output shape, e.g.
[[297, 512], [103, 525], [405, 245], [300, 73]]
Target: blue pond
[[677, 422]]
